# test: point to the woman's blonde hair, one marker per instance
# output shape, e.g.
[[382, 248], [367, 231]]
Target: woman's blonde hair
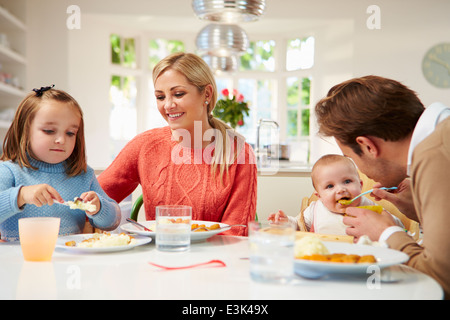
[[199, 74], [16, 144]]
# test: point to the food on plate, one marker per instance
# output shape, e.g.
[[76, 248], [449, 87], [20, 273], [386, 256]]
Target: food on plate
[[193, 226], [77, 203], [340, 258], [203, 227], [312, 248], [367, 259], [103, 240], [309, 245]]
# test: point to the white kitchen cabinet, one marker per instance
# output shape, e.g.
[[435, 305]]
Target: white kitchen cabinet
[[13, 58]]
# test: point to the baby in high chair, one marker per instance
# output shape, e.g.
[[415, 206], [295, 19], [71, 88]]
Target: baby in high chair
[[334, 178]]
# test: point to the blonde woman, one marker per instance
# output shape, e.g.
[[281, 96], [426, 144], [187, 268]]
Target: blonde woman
[[196, 160]]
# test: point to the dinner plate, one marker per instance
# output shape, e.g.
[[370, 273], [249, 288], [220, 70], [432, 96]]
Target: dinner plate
[[316, 269], [195, 236], [60, 244]]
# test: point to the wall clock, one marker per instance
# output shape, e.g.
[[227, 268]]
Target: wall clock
[[436, 65]]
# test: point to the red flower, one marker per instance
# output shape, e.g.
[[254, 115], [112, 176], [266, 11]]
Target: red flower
[[225, 92], [240, 123], [240, 98]]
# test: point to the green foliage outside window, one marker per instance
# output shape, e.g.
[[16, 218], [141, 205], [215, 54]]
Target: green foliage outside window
[[259, 56], [160, 48]]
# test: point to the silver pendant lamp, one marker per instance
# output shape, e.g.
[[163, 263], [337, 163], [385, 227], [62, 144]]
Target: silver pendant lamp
[[229, 11], [222, 40], [221, 64], [220, 43]]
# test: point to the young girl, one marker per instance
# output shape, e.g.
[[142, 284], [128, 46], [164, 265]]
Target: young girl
[[44, 162]]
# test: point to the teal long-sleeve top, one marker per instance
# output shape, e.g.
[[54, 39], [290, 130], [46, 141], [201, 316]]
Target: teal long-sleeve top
[[13, 177]]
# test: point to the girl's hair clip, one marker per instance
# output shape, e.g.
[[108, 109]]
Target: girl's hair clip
[[40, 91]]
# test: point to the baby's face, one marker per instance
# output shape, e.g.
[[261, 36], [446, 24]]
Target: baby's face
[[337, 181]]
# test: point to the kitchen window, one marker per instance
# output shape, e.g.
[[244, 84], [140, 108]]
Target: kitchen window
[[122, 92], [274, 76], [261, 79]]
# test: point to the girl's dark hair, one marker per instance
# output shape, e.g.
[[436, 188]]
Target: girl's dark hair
[[16, 144]]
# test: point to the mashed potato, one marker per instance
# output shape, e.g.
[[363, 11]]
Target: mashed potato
[[309, 245], [85, 206], [107, 240]]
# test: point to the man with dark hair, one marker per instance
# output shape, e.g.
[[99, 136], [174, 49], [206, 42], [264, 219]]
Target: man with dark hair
[[382, 125]]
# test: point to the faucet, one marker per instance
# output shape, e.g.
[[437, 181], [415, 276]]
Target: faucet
[[261, 123]]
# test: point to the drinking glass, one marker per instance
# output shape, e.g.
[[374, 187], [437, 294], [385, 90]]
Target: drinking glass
[[38, 237], [271, 251], [173, 227]]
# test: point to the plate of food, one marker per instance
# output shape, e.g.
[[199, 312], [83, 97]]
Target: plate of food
[[315, 258], [100, 242], [210, 229]]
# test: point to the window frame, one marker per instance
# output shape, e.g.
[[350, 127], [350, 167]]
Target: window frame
[[143, 75]]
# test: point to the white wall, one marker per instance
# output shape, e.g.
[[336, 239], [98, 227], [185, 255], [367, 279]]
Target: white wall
[[282, 192]]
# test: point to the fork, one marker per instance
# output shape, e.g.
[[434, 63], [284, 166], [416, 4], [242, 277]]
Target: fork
[[66, 203], [347, 202], [139, 225]]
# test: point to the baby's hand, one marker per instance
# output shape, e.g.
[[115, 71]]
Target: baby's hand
[[39, 195], [95, 200], [280, 216]]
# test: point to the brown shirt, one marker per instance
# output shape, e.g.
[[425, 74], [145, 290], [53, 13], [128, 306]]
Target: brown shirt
[[430, 174]]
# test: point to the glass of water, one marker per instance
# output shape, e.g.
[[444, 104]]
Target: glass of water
[[173, 227], [271, 251]]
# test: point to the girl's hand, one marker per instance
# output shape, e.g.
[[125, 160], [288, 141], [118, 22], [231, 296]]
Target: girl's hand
[[39, 195], [93, 197], [280, 216]]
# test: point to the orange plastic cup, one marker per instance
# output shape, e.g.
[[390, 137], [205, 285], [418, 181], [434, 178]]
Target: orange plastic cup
[[38, 237]]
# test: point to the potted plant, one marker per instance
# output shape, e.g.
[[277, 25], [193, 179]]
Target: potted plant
[[232, 108]]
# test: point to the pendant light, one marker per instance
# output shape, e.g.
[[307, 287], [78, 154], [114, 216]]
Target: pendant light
[[221, 64], [222, 40], [229, 11]]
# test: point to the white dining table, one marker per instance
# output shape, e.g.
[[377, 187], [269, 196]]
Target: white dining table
[[128, 275]]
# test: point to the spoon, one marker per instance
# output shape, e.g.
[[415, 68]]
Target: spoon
[[347, 202], [233, 225], [139, 225]]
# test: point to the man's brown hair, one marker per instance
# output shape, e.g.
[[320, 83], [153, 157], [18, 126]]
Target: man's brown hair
[[368, 106]]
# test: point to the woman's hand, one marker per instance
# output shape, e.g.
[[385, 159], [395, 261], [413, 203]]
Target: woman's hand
[[280, 216], [39, 195], [95, 200], [401, 198]]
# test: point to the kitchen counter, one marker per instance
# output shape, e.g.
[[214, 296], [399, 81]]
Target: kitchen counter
[[285, 168]]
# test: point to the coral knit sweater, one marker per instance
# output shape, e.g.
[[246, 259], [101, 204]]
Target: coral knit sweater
[[147, 160]]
